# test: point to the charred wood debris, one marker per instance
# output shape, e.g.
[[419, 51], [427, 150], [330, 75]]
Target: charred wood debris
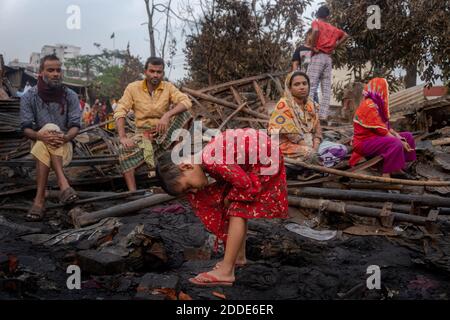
[[145, 244]]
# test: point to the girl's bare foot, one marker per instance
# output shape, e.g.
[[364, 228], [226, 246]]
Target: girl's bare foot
[[240, 262]]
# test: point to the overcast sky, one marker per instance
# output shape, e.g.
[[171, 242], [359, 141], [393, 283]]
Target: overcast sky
[[27, 25]]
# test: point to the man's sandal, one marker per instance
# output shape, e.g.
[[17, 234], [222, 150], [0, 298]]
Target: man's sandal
[[35, 213], [68, 195]]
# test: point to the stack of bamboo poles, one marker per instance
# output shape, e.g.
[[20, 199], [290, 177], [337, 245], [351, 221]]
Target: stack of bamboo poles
[[421, 209], [236, 104]]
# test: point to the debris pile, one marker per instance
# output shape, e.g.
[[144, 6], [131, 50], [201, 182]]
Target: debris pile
[[145, 244]]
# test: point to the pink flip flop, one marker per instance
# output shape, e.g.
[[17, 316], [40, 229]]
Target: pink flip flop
[[208, 280]]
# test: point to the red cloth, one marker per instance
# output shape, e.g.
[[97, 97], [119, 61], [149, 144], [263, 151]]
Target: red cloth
[[328, 36], [360, 134], [250, 193]]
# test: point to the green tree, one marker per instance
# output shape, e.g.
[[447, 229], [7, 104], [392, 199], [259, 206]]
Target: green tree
[[131, 71], [89, 64], [106, 78], [414, 36], [235, 39], [108, 84]]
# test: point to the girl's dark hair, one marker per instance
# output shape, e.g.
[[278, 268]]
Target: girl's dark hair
[[168, 173], [299, 73]]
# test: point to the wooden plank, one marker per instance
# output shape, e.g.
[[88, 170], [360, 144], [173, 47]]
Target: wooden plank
[[366, 164], [222, 102], [343, 208], [260, 93], [232, 115], [371, 196], [108, 197], [236, 83], [240, 101], [367, 177], [236, 95], [74, 163], [17, 190], [120, 210]]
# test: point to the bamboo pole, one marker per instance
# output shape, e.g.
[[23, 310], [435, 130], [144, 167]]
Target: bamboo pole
[[343, 208], [430, 183], [95, 126], [222, 102], [119, 210], [396, 207], [232, 115], [353, 195], [106, 197]]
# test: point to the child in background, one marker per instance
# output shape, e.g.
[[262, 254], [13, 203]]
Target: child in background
[[302, 55], [241, 192]]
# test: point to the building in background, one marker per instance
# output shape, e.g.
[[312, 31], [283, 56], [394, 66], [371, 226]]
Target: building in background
[[62, 51]]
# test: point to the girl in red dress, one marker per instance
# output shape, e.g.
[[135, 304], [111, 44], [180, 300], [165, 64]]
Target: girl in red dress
[[250, 182]]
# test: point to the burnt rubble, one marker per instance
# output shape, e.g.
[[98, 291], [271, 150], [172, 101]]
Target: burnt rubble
[[145, 245]]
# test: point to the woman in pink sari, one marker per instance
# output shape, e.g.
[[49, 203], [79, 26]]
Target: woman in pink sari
[[373, 135]]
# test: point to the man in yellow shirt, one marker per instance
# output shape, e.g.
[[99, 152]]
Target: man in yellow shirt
[[150, 100]]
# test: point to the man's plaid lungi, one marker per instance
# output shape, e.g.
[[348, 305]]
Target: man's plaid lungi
[[147, 151]]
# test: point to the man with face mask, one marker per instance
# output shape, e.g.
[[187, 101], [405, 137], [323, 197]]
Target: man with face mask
[[159, 109], [50, 117]]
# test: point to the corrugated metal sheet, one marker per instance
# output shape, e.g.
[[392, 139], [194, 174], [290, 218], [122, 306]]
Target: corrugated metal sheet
[[402, 100]]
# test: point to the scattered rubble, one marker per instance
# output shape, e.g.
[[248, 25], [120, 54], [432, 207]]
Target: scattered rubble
[[145, 245]]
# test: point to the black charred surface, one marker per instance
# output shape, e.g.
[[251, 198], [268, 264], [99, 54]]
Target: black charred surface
[[172, 247]]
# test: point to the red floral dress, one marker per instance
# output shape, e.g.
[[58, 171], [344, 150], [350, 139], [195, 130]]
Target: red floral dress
[[251, 193]]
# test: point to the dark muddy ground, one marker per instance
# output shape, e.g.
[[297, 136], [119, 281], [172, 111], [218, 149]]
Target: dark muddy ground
[[173, 246]]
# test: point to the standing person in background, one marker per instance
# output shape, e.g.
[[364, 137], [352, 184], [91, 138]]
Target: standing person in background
[[82, 102], [87, 116], [325, 39], [113, 104], [302, 57]]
